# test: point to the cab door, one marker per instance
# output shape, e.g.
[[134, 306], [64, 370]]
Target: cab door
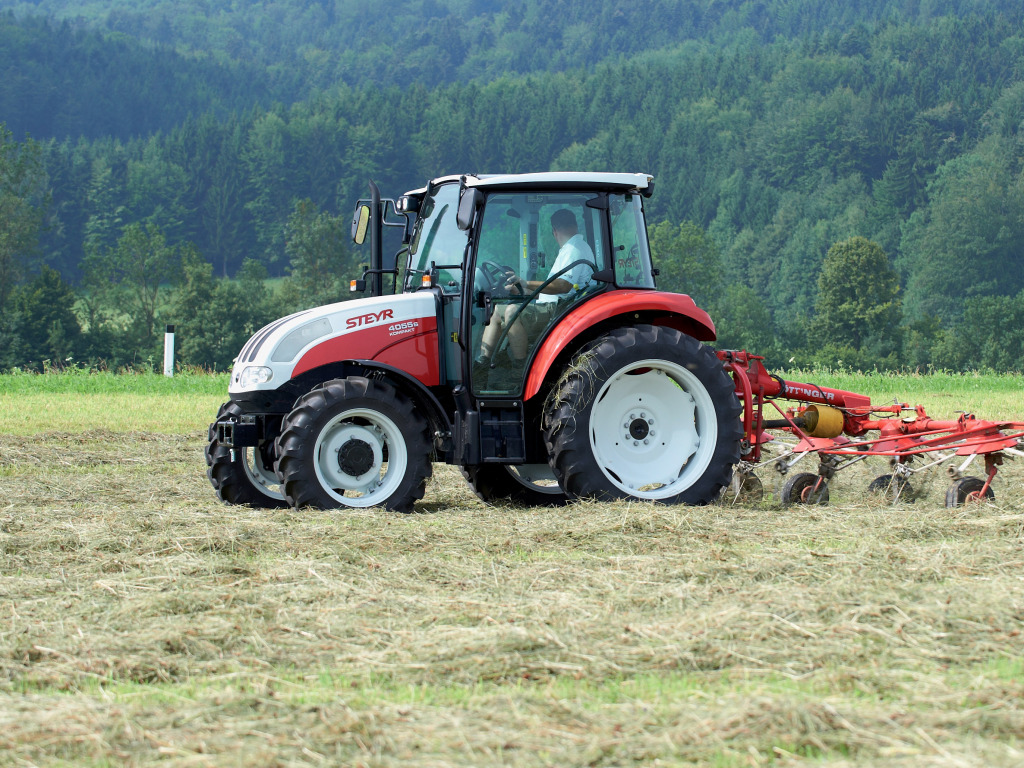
[[515, 239]]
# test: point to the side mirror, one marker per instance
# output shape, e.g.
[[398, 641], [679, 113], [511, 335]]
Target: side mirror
[[471, 200], [360, 223]]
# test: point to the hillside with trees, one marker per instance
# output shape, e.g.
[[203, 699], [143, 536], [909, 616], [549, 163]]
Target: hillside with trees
[[813, 161]]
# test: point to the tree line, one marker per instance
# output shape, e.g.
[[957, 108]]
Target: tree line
[[304, 46], [902, 131]]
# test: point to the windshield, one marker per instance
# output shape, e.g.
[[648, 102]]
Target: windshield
[[437, 241]]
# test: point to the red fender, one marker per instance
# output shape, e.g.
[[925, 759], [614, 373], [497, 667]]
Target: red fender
[[673, 309]]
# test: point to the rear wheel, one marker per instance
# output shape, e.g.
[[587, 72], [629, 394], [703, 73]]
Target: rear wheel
[[242, 475], [354, 442], [531, 485], [645, 412]]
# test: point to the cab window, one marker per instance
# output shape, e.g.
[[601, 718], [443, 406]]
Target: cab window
[[437, 241], [632, 260]]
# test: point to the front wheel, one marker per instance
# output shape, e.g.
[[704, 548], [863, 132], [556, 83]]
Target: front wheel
[[354, 442], [242, 475], [645, 412]]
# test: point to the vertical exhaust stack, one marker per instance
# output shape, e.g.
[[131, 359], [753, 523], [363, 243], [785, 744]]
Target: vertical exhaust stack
[[376, 242]]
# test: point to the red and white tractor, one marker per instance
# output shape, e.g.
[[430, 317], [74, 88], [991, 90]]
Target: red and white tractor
[[525, 341]]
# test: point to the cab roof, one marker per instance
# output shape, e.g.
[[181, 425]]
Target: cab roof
[[620, 182]]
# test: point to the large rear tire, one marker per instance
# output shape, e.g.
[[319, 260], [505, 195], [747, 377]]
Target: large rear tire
[[355, 443], [646, 412], [242, 475], [529, 485]]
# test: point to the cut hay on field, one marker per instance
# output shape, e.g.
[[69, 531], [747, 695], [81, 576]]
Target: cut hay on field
[[143, 621]]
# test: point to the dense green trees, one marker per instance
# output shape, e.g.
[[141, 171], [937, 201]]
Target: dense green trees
[[41, 323], [59, 80], [775, 130], [213, 317], [321, 265], [23, 200], [858, 308]]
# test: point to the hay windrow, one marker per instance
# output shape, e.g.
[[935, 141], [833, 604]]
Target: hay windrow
[[145, 622]]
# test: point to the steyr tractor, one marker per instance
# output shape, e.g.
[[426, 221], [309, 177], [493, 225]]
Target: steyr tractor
[[525, 341]]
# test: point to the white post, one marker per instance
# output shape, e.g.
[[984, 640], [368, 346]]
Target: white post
[[169, 351]]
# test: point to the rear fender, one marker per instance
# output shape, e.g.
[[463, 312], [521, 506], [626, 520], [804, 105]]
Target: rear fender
[[615, 309]]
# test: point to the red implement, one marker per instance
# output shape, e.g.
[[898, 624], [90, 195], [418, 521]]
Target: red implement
[[828, 418]]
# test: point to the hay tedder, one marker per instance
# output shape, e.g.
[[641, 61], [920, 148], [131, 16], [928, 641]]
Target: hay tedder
[[842, 428], [524, 341]]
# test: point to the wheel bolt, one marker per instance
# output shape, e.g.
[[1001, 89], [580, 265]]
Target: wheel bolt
[[646, 442], [651, 422], [636, 442], [643, 415], [652, 433]]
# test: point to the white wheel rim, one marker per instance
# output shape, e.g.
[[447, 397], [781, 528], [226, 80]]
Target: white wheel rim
[[384, 474], [261, 476], [653, 429], [535, 477]]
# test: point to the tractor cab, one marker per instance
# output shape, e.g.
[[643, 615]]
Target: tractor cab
[[509, 256]]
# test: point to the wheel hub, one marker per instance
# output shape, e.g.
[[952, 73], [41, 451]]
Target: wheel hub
[[351, 456], [639, 429], [355, 457]]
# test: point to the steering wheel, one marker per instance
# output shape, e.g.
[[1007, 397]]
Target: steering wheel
[[491, 276], [534, 294]]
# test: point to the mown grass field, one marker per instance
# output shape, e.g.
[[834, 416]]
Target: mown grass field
[[143, 622]]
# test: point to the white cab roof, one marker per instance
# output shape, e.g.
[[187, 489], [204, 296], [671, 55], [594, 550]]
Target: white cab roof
[[624, 181], [558, 178]]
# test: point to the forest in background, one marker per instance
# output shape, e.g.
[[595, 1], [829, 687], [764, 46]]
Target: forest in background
[[839, 183]]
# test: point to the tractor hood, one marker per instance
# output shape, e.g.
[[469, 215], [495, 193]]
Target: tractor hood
[[362, 329]]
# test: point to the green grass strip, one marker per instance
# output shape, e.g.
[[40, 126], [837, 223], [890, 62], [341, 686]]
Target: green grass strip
[[82, 382]]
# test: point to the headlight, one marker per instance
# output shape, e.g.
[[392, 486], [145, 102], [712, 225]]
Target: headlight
[[293, 343], [255, 375]]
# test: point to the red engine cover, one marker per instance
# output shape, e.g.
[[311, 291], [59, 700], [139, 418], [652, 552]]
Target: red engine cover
[[410, 348]]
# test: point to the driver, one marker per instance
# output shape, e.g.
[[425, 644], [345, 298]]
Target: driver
[[572, 247]]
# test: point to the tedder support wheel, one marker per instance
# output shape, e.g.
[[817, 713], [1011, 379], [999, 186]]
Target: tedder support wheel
[[354, 442], [967, 489], [242, 475], [893, 489], [644, 412], [805, 488], [531, 485]]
